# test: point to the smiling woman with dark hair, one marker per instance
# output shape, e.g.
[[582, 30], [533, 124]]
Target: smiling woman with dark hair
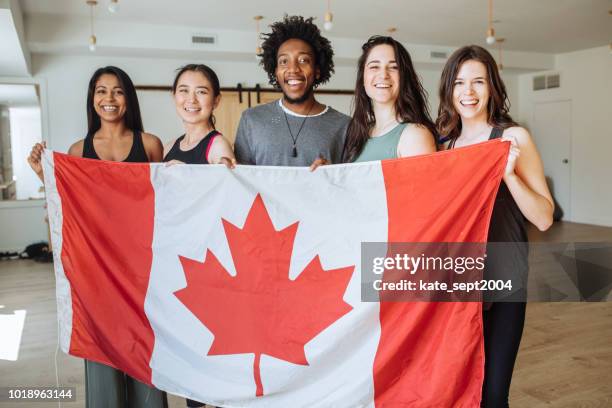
[[115, 133], [391, 117], [114, 124], [474, 108]]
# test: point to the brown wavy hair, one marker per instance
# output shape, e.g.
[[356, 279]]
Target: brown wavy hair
[[410, 106], [448, 123]]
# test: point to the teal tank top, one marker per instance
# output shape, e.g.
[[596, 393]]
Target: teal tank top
[[383, 146]]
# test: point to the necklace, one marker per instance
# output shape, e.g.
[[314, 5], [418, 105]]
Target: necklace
[[294, 139], [386, 127]]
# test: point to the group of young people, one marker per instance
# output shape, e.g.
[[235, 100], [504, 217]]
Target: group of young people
[[390, 120]]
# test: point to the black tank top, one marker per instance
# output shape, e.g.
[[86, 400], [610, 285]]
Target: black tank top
[[137, 152], [508, 260], [197, 155]]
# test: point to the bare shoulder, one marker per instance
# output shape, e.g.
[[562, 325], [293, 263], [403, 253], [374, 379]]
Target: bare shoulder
[[415, 130], [222, 144], [521, 135], [219, 140], [149, 138], [77, 148], [415, 139]]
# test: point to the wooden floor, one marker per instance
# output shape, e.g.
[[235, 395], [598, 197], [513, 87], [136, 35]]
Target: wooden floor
[[565, 358]]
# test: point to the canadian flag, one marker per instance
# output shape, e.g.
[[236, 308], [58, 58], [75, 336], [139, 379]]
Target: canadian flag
[[241, 288]]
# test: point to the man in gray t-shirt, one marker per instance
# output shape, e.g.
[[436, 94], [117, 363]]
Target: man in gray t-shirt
[[295, 130], [263, 137]]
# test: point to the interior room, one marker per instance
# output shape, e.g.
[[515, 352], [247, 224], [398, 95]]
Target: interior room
[[554, 57]]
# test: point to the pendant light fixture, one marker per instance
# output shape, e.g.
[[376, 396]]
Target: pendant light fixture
[[113, 6], [258, 49], [490, 31], [92, 38], [329, 18], [500, 63]]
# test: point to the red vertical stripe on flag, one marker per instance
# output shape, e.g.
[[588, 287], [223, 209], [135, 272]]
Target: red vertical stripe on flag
[[107, 232], [436, 347]]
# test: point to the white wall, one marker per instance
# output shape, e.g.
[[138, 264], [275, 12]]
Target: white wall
[[586, 80], [25, 131], [21, 223]]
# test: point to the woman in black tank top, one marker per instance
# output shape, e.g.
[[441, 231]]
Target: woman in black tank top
[[474, 108], [115, 133], [196, 94]]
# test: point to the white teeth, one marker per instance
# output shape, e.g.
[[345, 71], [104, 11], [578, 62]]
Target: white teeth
[[294, 81], [192, 109], [107, 108], [470, 102], [382, 86]]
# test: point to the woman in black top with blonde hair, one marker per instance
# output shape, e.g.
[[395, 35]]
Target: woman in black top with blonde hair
[[115, 133], [474, 108]]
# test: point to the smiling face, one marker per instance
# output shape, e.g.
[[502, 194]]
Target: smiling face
[[381, 78], [296, 70], [194, 98], [471, 90], [109, 98]]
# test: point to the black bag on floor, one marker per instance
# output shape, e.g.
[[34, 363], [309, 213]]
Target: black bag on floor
[[38, 252]]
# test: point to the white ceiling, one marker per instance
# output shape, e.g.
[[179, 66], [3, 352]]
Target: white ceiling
[[546, 26], [14, 57], [15, 95]]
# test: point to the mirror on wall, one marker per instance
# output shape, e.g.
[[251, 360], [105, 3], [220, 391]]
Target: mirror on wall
[[20, 128]]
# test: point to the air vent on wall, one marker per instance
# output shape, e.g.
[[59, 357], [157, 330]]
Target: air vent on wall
[[198, 39], [553, 81], [539, 82], [438, 55], [546, 82]]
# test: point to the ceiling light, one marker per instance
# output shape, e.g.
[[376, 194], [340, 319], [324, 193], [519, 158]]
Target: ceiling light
[[258, 49], [329, 18], [92, 43], [113, 6], [490, 31], [500, 63], [92, 36]]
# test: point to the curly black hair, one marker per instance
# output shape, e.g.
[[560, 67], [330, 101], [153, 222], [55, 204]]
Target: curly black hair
[[302, 29]]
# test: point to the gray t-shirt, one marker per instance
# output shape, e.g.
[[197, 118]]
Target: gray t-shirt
[[263, 137]]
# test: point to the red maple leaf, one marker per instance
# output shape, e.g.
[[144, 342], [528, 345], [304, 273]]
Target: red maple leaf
[[260, 310]]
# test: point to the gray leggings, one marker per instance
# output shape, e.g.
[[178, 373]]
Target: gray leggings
[[106, 387]]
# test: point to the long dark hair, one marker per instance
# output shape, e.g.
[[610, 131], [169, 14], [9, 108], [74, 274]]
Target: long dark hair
[[132, 118], [208, 74], [449, 121], [410, 106]]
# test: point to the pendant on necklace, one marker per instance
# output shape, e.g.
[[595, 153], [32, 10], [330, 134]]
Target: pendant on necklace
[[294, 154]]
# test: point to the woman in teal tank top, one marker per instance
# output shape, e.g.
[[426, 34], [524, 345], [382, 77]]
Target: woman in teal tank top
[[391, 117]]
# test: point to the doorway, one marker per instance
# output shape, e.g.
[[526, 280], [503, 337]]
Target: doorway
[[552, 132]]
